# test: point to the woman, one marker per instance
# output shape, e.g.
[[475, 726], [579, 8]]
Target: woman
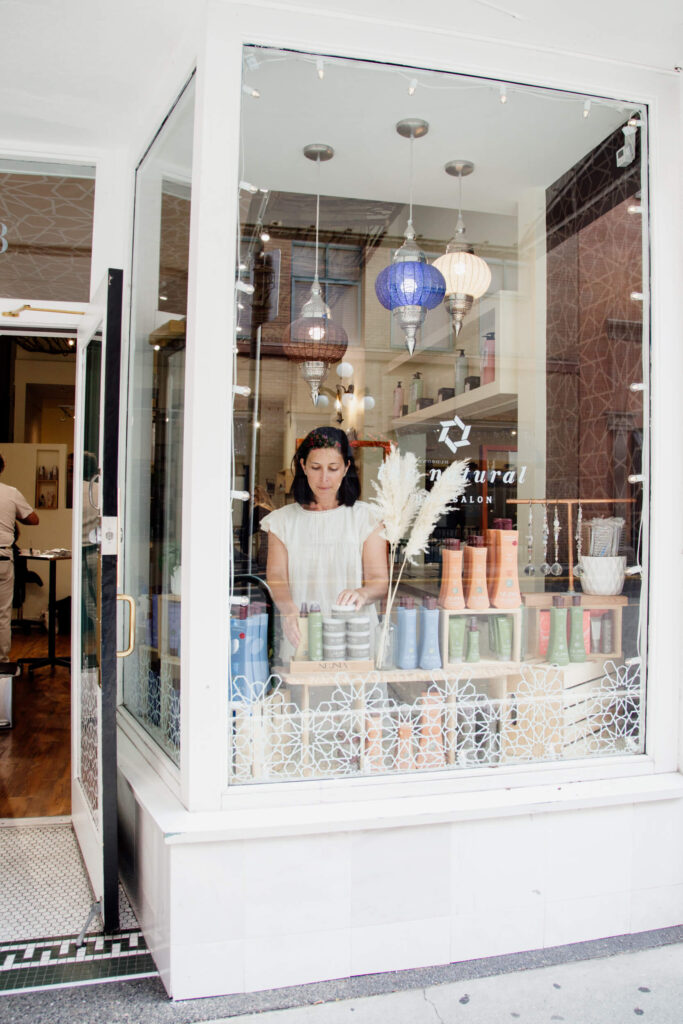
[[326, 548]]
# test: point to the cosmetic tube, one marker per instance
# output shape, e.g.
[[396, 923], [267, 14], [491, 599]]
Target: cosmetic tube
[[315, 633], [504, 637], [472, 641], [301, 652], [558, 654], [476, 590], [577, 649], [596, 627], [456, 638], [606, 631], [461, 370], [429, 656], [398, 401], [238, 656], [406, 654], [451, 595]]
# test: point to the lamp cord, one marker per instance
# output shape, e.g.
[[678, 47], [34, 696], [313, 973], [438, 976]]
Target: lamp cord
[[410, 216], [317, 213]]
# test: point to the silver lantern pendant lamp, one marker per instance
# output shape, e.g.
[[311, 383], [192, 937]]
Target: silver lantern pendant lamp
[[467, 276], [314, 340]]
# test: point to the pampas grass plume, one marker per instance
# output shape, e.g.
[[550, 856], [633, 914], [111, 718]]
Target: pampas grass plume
[[446, 490], [398, 494]]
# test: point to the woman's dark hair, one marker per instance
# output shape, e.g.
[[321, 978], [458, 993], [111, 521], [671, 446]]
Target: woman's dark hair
[[325, 437]]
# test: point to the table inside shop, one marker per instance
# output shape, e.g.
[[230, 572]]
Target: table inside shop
[[52, 660]]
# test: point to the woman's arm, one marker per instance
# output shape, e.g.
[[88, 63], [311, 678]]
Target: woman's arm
[[375, 573], [277, 578]]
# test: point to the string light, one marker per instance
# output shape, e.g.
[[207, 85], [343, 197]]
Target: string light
[[587, 108], [412, 86], [503, 94], [264, 236], [320, 68], [248, 91], [246, 186]]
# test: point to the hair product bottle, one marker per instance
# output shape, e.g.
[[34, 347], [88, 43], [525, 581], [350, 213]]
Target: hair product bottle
[[397, 409], [461, 369], [456, 638], [577, 649], [405, 759], [488, 357], [315, 633], [301, 652], [476, 590], [505, 590], [238, 655], [430, 750], [503, 632], [416, 386], [451, 595], [492, 550], [259, 657], [406, 655], [472, 640], [558, 653], [429, 656]]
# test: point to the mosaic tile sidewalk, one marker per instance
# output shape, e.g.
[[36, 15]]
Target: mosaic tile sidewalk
[[45, 898]]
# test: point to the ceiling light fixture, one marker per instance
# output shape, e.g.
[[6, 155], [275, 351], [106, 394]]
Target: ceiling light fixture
[[503, 93], [313, 339], [467, 276], [264, 236], [412, 86], [320, 68], [587, 108], [248, 91], [410, 286]]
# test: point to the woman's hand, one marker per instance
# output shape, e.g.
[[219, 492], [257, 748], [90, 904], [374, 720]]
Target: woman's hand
[[356, 598], [290, 625]]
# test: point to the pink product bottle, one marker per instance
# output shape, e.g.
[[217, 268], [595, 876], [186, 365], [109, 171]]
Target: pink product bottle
[[505, 591], [476, 590], [430, 751], [405, 760], [451, 595], [493, 545], [543, 632], [488, 357]]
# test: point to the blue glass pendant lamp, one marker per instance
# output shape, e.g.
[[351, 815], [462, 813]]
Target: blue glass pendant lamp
[[410, 286]]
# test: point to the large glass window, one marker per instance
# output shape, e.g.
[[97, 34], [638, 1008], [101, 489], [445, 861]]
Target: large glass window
[[443, 278], [154, 448]]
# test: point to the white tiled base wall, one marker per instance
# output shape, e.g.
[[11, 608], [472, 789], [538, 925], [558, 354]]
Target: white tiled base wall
[[242, 915]]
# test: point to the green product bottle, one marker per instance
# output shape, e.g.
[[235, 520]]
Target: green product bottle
[[577, 649], [472, 641], [504, 637], [315, 633], [558, 653], [456, 637]]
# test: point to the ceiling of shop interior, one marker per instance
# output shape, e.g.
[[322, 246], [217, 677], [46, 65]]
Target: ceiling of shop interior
[[73, 72]]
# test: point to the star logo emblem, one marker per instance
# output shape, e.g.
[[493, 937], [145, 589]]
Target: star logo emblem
[[457, 424]]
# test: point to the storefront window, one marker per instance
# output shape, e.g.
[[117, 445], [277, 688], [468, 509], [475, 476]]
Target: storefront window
[[154, 444], [516, 633]]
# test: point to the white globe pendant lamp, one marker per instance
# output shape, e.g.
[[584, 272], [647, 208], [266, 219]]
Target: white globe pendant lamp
[[467, 276]]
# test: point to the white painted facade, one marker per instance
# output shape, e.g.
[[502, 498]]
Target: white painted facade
[[269, 886]]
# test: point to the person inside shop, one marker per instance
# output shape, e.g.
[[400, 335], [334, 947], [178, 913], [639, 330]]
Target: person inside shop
[[327, 547], [14, 509]]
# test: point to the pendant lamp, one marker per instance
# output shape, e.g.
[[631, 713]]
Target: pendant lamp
[[314, 340], [410, 286], [467, 276]]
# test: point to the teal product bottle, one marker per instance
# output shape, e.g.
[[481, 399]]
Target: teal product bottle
[[429, 656], [315, 633], [406, 655], [504, 637], [456, 638], [577, 648], [558, 653], [472, 641]]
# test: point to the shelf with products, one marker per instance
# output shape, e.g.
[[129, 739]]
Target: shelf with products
[[494, 314], [611, 605], [446, 614]]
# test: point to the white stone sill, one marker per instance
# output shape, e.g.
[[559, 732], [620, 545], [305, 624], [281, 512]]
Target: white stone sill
[[180, 826]]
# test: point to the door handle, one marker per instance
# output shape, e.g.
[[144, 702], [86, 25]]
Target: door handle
[[91, 499], [131, 625]]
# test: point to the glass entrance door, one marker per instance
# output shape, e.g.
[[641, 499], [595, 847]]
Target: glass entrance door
[[94, 675]]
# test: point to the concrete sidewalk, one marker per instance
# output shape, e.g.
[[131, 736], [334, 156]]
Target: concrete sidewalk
[[624, 987]]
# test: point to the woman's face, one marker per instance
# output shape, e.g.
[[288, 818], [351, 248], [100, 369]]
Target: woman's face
[[324, 469]]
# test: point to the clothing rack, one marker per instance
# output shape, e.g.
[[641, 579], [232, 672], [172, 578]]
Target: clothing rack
[[569, 502]]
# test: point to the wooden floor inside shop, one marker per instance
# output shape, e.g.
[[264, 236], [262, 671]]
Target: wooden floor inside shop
[[35, 755]]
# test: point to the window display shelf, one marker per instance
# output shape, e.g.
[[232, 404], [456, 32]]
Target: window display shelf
[[536, 603]]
